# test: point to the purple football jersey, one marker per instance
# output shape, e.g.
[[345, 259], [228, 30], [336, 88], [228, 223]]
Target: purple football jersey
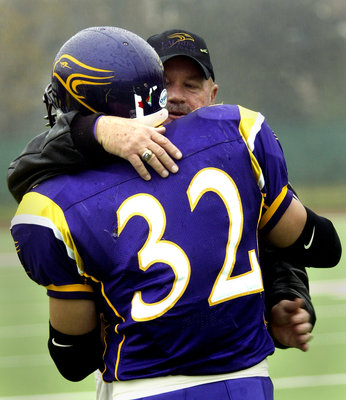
[[173, 263]]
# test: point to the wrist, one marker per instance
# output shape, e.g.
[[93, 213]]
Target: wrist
[[95, 126], [82, 133]]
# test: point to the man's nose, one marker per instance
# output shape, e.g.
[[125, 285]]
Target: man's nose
[[175, 94]]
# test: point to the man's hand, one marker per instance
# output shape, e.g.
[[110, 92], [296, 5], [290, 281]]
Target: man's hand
[[129, 139], [290, 324]]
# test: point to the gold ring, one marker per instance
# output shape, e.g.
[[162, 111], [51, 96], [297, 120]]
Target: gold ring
[[146, 156]]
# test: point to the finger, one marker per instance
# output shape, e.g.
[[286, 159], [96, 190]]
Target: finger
[[307, 338], [139, 166], [291, 306], [300, 316], [289, 312], [162, 161], [303, 346], [302, 329], [279, 315], [300, 302], [161, 130], [303, 339], [155, 163], [147, 155], [167, 145]]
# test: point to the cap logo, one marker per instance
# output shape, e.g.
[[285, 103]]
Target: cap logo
[[204, 51], [85, 77], [180, 37]]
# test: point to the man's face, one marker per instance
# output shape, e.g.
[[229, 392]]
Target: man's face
[[187, 88]]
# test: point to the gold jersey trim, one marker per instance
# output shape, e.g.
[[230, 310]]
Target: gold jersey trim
[[273, 208], [249, 126], [38, 209]]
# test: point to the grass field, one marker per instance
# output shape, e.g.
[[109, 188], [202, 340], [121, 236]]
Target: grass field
[[27, 372], [321, 372]]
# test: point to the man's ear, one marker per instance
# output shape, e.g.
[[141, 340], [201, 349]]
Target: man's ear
[[213, 93]]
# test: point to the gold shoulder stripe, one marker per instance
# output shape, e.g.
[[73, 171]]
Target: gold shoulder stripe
[[70, 288], [249, 125], [38, 209], [272, 209], [248, 119]]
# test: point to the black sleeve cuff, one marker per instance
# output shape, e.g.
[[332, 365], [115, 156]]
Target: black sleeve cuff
[[82, 132]]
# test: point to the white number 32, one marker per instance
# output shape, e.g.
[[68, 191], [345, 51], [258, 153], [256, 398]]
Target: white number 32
[[155, 250]]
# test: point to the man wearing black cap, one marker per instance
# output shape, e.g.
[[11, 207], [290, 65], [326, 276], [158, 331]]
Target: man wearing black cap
[[190, 84], [173, 43], [188, 70]]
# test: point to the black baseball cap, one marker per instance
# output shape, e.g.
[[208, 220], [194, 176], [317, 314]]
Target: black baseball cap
[[179, 42]]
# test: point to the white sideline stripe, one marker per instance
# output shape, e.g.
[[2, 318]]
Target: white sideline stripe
[[53, 396], [331, 311], [309, 381], [335, 288]]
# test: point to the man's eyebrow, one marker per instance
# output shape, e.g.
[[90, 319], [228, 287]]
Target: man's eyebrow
[[195, 76]]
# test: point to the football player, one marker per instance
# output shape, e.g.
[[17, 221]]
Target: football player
[[71, 145], [172, 265]]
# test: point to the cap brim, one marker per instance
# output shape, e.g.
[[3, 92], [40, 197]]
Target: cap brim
[[207, 73]]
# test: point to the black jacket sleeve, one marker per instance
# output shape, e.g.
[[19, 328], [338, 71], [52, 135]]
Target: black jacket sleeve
[[69, 146], [283, 281]]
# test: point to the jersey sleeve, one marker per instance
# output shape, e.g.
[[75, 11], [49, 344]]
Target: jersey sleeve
[[46, 248], [277, 196], [269, 167]]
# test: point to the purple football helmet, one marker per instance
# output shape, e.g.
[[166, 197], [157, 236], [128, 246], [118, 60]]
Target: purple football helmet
[[108, 70]]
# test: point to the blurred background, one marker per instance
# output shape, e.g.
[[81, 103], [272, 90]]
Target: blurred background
[[286, 59]]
